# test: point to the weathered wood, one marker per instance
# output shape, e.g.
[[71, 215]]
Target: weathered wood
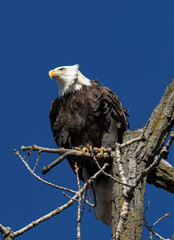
[[139, 156], [162, 177], [133, 226], [6, 233]]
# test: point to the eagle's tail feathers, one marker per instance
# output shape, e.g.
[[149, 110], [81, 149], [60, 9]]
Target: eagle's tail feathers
[[102, 191]]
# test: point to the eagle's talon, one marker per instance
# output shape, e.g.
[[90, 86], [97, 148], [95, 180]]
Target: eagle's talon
[[109, 150], [77, 148], [90, 148], [101, 150], [87, 149]]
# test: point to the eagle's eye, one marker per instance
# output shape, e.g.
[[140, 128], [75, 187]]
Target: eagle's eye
[[61, 69]]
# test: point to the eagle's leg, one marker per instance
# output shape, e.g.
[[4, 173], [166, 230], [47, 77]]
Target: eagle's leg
[[101, 150], [84, 150]]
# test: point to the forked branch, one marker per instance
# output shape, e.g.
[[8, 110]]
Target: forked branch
[[8, 233]]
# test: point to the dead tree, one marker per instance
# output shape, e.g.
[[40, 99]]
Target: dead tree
[[136, 159], [139, 159]]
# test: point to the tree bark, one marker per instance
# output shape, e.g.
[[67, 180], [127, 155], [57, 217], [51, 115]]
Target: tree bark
[[162, 177], [137, 157]]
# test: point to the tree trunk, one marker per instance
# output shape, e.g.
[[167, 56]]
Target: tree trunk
[[136, 158]]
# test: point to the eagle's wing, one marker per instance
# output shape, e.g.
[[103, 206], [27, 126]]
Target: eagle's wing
[[112, 114], [110, 111]]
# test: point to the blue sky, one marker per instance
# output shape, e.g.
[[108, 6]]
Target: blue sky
[[127, 45]]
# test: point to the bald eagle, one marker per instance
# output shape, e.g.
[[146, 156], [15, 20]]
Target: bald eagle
[[86, 113]]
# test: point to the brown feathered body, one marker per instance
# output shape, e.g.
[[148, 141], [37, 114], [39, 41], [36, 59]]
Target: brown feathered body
[[92, 115]]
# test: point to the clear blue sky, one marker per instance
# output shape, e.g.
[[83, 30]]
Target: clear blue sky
[[127, 45]]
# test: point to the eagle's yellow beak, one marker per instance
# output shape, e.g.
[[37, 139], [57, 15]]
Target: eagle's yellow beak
[[54, 73]]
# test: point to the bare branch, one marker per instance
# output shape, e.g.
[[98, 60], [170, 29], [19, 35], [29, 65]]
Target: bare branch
[[152, 231], [166, 215], [127, 189], [66, 195], [109, 175], [47, 216], [162, 176], [39, 178], [163, 154], [29, 153], [84, 199], [37, 161], [43, 149], [165, 163], [147, 207], [56, 162], [150, 227], [7, 233], [84, 202], [72, 152], [56, 211], [133, 140]]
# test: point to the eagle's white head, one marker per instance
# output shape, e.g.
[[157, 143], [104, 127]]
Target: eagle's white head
[[69, 78]]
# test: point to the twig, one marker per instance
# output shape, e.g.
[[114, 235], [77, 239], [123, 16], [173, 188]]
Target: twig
[[43, 149], [48, 183], [84, 202], [47, 216], [59, 209], [166, 215], [29, 153], [150, 227], [109, 175], [66, 195], [152, 231], [140, 138], [39, 178], [8, 231], [37, 161], [84, 199], [147, 207]]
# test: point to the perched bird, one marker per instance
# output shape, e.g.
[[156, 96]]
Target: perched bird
[[87, 114]]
